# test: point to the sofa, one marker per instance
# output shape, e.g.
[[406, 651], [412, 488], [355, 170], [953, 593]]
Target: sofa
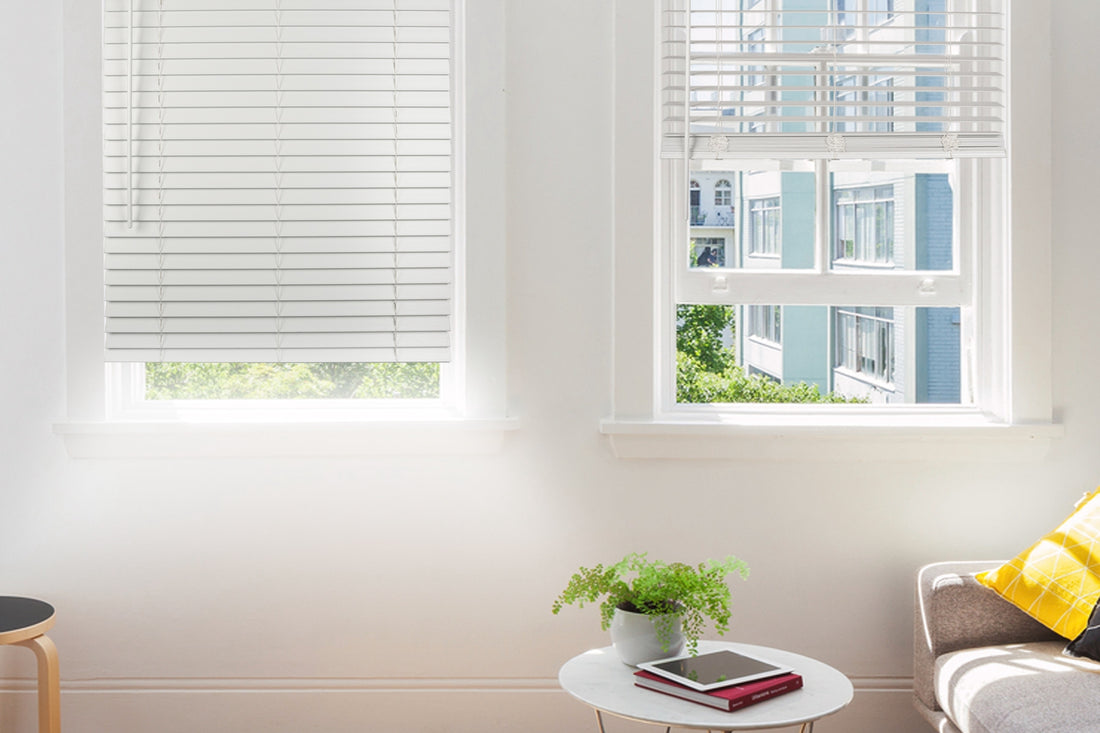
[[981, 665]]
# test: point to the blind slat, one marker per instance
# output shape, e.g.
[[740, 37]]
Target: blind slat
[[318, 246]]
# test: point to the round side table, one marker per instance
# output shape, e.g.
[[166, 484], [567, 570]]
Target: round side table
[[598, 679], [24, 622]]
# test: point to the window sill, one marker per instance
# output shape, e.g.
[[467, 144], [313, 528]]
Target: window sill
[[242, 439], [774, 436]]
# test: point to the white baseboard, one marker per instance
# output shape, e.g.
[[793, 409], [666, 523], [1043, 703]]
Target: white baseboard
[[267, 705]]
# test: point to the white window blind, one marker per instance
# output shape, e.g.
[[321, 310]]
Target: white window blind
[[278, 180], [785, 79]]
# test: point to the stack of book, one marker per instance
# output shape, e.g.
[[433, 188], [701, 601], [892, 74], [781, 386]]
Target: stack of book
[[703, 679]]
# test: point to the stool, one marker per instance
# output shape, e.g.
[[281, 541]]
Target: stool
[[24, 622]]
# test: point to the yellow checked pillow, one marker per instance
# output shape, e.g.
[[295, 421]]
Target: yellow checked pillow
[[1057, 580]]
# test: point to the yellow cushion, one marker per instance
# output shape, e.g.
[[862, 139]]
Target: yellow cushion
[[1057, 580]]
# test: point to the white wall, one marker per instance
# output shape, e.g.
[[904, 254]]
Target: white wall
[[414, 594]]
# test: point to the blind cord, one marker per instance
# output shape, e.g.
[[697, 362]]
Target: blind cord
[[396, 192], [278, 192], [160, 178], [130, 115]]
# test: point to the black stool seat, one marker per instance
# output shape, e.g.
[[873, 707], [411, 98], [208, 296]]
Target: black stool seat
[[22, 616], [24, 622]]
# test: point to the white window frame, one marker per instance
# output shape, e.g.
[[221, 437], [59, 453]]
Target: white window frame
[[1013, 416], [103, 417]]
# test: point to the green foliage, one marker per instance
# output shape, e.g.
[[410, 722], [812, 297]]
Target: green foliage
[[399, 381], [697, 384], [669, 592], [707, 371], [240, 381], [699, 333]]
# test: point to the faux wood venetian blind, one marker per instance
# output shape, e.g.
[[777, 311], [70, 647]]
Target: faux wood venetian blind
[[818, 79], [278, 180]]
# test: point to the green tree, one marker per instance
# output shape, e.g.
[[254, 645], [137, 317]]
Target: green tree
[[707, 370], [399, 381], [700, 333], [262, 381]]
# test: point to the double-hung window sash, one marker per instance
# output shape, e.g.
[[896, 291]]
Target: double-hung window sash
[[278, 180]]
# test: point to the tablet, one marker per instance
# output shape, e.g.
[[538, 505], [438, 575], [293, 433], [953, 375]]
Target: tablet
[[714, 670]]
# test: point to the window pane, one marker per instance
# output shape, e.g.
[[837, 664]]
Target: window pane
[[899, 217], [754, 219], [823, 354], [266, 381]]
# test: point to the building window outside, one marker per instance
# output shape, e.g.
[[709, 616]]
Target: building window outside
[[754, 44], [864, 224], [708, 252], [880, 102], [757, 125], [846, 101], [864, 339], [874, 105], [879, 11], [764, 226], [723, 193], [698, 218], [875, 13], [765, 322], [846, 18]]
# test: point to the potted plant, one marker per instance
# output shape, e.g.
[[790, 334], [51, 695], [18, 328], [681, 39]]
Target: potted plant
[[654, 609]]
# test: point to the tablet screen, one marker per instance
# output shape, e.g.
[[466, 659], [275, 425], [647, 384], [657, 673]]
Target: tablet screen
[[715, 669]]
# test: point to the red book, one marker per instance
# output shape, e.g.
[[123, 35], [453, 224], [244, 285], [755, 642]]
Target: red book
[[729, 698]]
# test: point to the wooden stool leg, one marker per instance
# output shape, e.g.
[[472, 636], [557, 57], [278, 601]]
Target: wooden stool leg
[[49, 687]]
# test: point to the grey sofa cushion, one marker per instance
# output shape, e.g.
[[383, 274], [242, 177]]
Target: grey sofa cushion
[[954, 611], [1019, 688]]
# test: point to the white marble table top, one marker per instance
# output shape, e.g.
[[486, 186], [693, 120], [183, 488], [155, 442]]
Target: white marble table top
[[598, 679]]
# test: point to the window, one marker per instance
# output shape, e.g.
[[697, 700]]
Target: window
[[708, 251], [764, 322], [754, 45], [1004, 380], [855, 195], [723, 193], [764, 226], [868, 99], [879, 11], [846, 98], [865, 342], [846, 18], [106, 415], [848, 15], [880, 99], [698, 217], [864, 221], [279, 222]]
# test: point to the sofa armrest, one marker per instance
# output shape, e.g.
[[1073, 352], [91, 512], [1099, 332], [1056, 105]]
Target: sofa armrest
[[954, 611]]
